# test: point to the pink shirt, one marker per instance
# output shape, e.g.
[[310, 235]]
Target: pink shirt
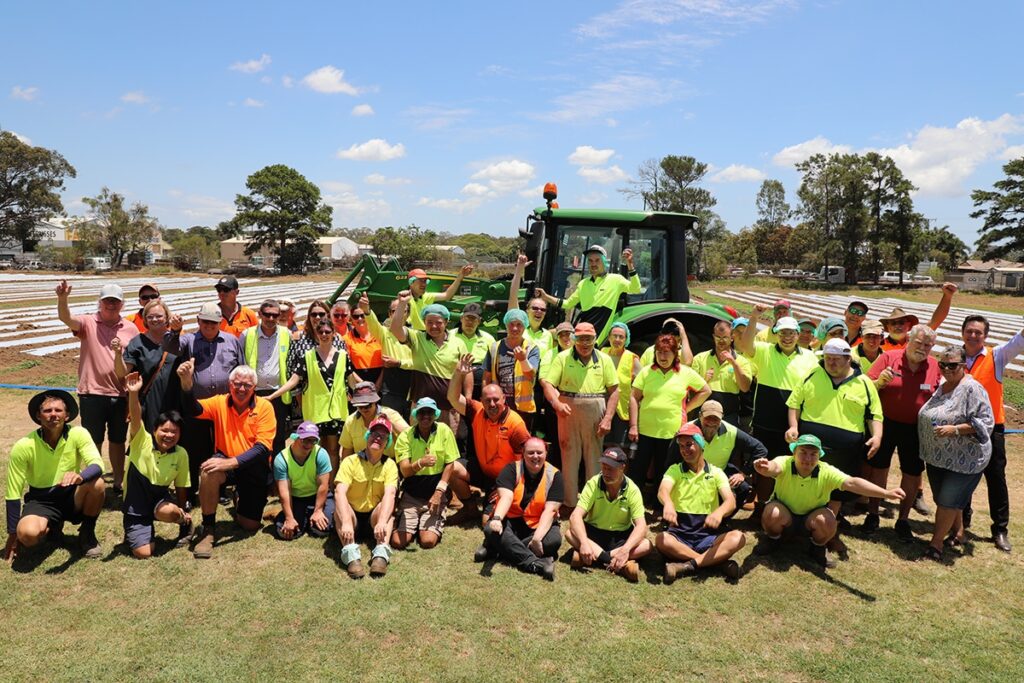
[[903, 397], [96, 365]]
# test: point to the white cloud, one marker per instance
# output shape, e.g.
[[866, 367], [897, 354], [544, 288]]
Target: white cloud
[[506, 176], [380, 179], [373, 150], [586, 155], [250, 102], [603, 176], [25, 139], [738, 173], [475, 190], [431, 117], [938, 160], [330, 80], [794, 154], [621, 93], [362, 110], [1013, 152], [135, 97], [349, 206], [456, 205], [253, 65], [287, 81], [266, 80], [25, 94], [591, 199], [532, 192], [632, 13]]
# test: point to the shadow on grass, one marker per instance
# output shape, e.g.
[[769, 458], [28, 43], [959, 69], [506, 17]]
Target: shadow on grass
[[29, 559], [786, 558]]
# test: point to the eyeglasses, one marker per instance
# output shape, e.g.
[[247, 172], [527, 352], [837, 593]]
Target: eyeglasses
[[317, 315], [270, 315], [949, 366], [309, 441], [339, 315], [853, 310], [148, 297], [358, 316], [325, 330], [586, 340], [242, 385], [539, 309]]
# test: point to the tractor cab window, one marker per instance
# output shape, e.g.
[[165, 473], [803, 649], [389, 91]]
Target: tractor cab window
[[650, 254], [570, 263]]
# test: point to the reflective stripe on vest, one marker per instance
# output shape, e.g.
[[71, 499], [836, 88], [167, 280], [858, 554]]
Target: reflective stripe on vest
[[302, 477], [284, 342], [522, 388], [984, 370], [719, 450], [318, 404], [531, 515]]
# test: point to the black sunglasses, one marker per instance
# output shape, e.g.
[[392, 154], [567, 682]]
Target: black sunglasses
[[270, 315], [358, 316], [949, 366], [317, 315], [148, 297]]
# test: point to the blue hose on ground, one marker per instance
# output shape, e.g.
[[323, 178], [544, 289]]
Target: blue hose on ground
[[33, 387]]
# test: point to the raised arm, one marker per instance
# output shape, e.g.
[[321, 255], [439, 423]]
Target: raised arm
[[398, 319], [745, 344], [517, 277], [453, 288], [455, 396], [942, 310], [63, 310], [133, 383]]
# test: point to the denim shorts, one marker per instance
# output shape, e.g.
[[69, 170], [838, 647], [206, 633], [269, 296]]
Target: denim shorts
[[952, 489]]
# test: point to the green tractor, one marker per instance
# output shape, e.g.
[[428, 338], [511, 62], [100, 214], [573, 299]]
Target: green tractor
[[555, 241]]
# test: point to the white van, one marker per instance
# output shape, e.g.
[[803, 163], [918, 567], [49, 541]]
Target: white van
[[97, 263]]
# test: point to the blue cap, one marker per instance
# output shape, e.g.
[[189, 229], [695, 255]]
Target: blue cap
[[426, 402], [737, 322]]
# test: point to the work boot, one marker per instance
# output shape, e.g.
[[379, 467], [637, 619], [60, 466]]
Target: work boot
[[355, 569], [203, 550], [378, 567], [1002, 541], [768, 545], [921, 505], [674, 570], [89, 545], [630, 571], [185, 531], [819, 554], [731, 569], [576, 562], [545, 566], [870, 524], [903, 531], [481, 554]]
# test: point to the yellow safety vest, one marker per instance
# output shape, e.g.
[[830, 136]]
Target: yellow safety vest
[[284, 342], [319, 404]]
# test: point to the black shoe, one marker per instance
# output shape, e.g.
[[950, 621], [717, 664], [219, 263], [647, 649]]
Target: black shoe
[[767, 545], [481, 554], [1002, 541], [843, 524], [732, 570], [870, 524], [819, 554], [968, 514], [546, 568], [185, 532], [903, 531], [922, 507]]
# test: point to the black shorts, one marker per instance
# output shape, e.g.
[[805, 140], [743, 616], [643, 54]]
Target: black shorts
[[608, 540], [56, 505], [902, 438], [104, 416], [330, 428], [251, 484], [476, 475]]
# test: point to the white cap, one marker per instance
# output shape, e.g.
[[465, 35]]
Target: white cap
[[836, 347], [112, 292], [786, 323], [210, 312]]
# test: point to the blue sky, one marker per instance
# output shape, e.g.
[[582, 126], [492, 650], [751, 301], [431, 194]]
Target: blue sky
[[453, 115]]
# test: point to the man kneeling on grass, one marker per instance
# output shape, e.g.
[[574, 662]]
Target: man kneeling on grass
[[690, 493], [523, 528], [367, 482], [607, 526], [803, 485], [426, 455], [61, 466], [302, 472], [154, 463]]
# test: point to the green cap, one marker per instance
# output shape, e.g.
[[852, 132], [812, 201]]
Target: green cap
[[807, 440]]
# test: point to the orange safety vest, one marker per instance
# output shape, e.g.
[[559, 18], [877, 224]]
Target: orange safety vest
[[493, 448], [888, 344], [984, 370], [531, 514]]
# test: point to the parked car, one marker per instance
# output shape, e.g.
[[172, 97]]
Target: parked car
[[893, 276], [923, 279], [764, 271]]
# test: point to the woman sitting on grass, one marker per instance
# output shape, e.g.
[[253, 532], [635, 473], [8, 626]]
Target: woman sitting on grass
[[154, 463]]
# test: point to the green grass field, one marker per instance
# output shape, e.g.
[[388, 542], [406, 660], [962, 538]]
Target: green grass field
[[263, 609]]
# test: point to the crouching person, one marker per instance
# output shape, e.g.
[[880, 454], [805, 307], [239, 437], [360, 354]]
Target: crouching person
[[62, 468], [696, 497], [367, 482], [803, 486], [426, 455], [155, 462], [522, 529], [607, 526], [303, 479]]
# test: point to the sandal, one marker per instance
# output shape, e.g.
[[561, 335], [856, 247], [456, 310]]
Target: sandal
[[932, 553]]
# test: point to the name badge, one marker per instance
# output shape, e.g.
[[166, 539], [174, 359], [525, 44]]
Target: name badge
[[925, 387]]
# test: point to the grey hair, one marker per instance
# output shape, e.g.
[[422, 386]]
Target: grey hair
[[954, 350], [242, 370], [930, 335]]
